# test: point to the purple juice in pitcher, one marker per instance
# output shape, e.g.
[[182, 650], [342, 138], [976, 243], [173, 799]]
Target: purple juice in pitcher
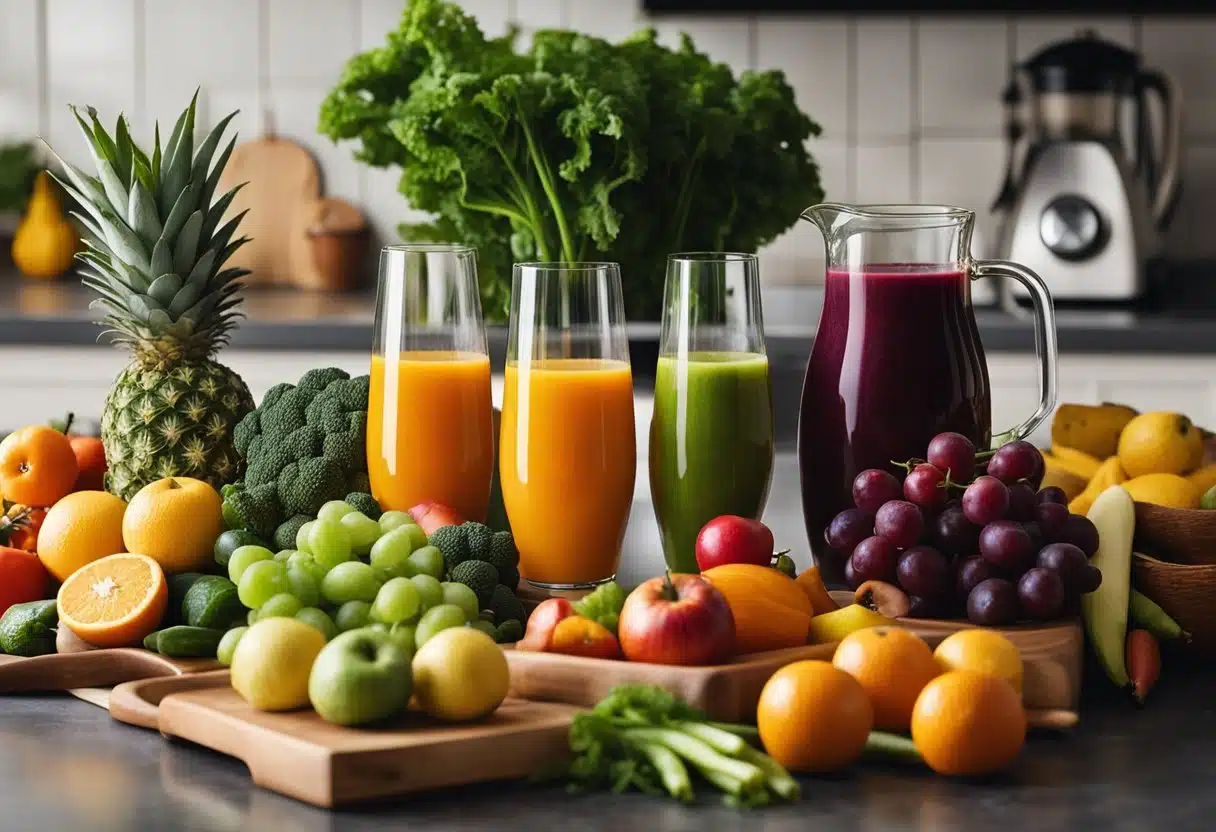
[[897, 359]]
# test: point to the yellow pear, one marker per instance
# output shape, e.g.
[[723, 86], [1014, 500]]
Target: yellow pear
[[45, 241]]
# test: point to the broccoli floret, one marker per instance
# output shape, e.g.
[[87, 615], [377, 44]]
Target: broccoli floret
[[285, 534], [273, 394], [320, 379], [451, 541], [304, 442], [364, 503], [325, 415], [287, 415], [353, 394], [255, 447], [478, 576], [505, 605], [480, 539], [345, 448], [265, 467], [503, 553], [245, 432], [255, 509], [510, 631], [307, 485], [359, 482]]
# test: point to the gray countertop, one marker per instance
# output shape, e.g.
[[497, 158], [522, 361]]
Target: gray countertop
[[1179, 318], [65, 764]]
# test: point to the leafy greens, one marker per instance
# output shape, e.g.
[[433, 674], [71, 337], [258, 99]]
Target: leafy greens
[[576, 149]]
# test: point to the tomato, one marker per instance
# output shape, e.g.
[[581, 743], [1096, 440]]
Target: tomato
[[22, 578]]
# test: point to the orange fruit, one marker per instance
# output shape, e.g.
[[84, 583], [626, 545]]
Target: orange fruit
[[893, 665], [115, 601], [968, 723], [79, 529], [175, 521], [90, 463], [37, 466], [984, 651], [813, 717]]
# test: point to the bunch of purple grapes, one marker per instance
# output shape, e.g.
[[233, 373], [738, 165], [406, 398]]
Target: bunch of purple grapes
[[991, 546]]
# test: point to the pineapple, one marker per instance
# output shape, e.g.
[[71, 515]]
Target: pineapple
[[155, 249]]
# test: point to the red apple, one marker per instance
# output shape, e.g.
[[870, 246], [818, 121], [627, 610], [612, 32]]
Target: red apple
[[733, 539], [432, 515], [676, 619], [542, 622]]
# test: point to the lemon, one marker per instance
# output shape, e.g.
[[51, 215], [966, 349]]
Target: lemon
[[1169, 490], [175, 521], [1160, 443], [460, 674], [271, 664], [983, 651]]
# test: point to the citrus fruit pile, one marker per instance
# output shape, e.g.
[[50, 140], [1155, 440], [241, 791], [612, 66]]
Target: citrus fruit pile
[[961, 704]]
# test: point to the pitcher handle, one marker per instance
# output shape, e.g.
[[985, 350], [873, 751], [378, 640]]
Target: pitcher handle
[[1044, 339]]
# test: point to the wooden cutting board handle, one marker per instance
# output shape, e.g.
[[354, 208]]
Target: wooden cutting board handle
[[92, 669], [138, 703]]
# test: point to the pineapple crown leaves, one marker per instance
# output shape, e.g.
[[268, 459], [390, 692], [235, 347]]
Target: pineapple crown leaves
[[156, 240]]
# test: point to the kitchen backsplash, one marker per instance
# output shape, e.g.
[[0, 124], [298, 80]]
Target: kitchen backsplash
[[909, 106]]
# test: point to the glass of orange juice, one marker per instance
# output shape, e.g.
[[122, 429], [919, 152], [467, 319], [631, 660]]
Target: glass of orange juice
[[568, 451], [429, 422]]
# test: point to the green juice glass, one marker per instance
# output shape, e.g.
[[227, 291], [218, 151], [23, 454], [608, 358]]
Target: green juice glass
[[711, 437]]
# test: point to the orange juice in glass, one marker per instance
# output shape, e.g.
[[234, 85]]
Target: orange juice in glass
[[568, 450], [429, 420]]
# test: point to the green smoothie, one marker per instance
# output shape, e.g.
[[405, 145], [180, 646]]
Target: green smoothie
[[711, 445]]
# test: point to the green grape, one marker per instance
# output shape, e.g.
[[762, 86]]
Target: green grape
[[486, 627], [403, 635], [304, 582], [252, 618], [394, 519], [397, 601], [463, 597], [283, 605], [352, 615], [417, 536], [244, 557], [392, 554], [329, 543], [350, 581], [335, 510], [228, 643], [428, 560], [314, 617], [429, 590], [302, 536], [281, 557], [363, 531], [261, 582], [437, 619], [378, 626]]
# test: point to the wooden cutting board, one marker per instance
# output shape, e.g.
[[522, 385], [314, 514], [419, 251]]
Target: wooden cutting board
[[91, 669], [300, 755], [727, 692], [282, 184]]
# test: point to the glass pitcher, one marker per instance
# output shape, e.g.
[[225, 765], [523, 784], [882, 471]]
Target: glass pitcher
[[897, 356]]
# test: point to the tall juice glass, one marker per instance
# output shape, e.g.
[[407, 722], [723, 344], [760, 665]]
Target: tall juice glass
[[568, 451], [429, 423], [711, 438]]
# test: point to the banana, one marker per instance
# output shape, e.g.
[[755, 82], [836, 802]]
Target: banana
[[1080, 463], [1093, 429], [1109, 473], [1105, 610], [1061, 477], [835, 625]]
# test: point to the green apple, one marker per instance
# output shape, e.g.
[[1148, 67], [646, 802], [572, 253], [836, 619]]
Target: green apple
[[360, 676]]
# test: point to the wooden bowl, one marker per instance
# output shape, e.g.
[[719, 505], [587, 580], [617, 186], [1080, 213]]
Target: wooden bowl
[[1177, 535], [1186, 591]]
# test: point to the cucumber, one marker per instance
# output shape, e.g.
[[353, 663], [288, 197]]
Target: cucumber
[[151, 639], [1148, 614], [212, 602], [185, 642]]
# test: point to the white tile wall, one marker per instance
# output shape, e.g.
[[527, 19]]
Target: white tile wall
[[910, 107]]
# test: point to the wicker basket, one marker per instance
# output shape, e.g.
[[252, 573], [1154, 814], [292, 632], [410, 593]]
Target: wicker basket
[[1186, 591]]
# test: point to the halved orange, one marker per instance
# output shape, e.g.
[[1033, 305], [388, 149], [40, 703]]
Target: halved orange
[[114, 601]]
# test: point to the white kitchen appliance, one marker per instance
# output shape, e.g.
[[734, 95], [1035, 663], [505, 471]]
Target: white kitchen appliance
[[1098, 178]]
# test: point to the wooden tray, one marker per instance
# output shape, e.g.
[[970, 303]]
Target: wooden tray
[[91, 669], [300, 755]]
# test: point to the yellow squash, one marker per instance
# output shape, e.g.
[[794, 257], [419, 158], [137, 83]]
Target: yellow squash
[[45, 242]]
